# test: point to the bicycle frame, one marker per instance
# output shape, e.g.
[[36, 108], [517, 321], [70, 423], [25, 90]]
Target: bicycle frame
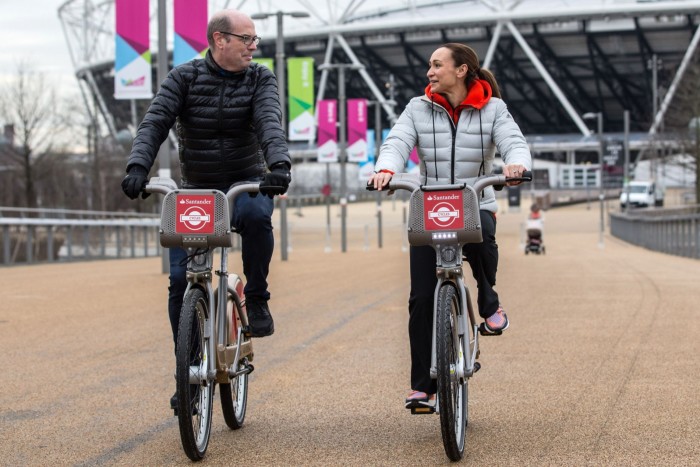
[[207, 207], [447, 217]]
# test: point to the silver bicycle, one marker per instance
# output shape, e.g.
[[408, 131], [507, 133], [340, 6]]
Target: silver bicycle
[[213, 343], [447, 217]]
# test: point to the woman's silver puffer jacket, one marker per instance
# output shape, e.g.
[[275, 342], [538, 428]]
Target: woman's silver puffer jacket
[[452, 155]]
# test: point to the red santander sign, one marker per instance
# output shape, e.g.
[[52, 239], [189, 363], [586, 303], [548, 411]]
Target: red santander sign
[[195, 214], [443, 210]]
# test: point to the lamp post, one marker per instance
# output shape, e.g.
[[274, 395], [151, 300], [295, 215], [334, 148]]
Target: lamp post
[[342, 144], [164, 150], [601, 143], [626, 124], [281, 87]]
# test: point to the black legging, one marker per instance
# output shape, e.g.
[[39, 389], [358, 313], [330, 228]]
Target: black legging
[[483, 259]]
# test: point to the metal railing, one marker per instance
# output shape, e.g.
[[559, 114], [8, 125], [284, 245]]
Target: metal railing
[[673, 231], [26, 241], [38, 235]]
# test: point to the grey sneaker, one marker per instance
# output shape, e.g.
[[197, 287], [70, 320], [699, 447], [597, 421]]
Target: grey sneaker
[[259, 318]]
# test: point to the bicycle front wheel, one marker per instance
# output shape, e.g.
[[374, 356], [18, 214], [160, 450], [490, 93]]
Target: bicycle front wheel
[[195, 390], [234, 395], [451, 382]]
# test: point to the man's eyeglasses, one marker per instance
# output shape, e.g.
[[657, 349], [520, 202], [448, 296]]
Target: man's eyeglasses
[[246, 39]]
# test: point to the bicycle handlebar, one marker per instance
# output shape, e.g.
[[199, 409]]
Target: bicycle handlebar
[[162, 185], [411, 182], [165, 185]]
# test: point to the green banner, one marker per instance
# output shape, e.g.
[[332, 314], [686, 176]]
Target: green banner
[[268, 62], [300, 83]]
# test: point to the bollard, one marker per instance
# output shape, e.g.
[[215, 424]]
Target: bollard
[[327, 248]]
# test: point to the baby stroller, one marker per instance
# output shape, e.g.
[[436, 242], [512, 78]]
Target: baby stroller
[[534, 229]]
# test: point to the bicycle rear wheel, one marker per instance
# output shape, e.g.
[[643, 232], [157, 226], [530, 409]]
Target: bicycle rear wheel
[[451, 382], [234, 395], [195, 390]]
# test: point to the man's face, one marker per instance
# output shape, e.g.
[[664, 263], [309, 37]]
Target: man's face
[[232, 53]]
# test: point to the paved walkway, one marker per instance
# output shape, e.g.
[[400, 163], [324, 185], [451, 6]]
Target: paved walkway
[[600, 365]]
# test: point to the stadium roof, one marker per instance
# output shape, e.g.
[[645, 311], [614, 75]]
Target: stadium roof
[[555, 60]]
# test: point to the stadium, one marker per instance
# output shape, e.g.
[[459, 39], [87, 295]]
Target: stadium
[[561, 65]]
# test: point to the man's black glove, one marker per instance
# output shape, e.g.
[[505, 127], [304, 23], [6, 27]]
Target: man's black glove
[[277, 181], [135, 181]]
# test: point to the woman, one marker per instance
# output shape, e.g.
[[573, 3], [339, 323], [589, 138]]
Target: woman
[[457, 126]]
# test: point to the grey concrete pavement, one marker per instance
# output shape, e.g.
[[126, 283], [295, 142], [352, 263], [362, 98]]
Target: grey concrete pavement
[[599, 367]]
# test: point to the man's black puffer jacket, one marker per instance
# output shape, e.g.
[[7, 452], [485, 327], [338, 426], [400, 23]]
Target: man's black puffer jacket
[[224, 120]]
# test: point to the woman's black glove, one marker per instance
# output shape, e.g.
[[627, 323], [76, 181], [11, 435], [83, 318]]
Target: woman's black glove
[[135, 181], [277, 181]]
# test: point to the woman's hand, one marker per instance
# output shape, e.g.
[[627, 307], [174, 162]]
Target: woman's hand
[[513, 170], [379, 180]]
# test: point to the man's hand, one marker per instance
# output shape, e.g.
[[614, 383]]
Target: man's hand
[[277, 181], [134, 182]]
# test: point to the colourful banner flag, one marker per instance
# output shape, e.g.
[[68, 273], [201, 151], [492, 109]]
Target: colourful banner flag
[[268, 62], [327, 130], [300, 83], [357, 130], [132, 62], [190, 37]]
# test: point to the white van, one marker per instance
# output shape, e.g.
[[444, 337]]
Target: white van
[[642, 194]]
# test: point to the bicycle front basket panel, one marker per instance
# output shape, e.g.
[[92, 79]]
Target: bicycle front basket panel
[[444, 216], [195, 219]]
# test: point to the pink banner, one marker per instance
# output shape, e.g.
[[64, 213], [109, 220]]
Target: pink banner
[[132, 60], [132, 23], [190, 38], [327, 130], [357, 130]]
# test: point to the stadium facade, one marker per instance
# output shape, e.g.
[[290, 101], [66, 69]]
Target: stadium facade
[[555, 60]]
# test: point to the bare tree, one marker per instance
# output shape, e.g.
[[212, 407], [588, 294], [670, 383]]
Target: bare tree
[[28, 105]]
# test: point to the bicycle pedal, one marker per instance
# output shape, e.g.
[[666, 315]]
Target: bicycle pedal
[[485, 332], [421, 407], [477, 366]]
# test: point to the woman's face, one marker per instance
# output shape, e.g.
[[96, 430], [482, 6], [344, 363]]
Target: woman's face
[[443, 76]]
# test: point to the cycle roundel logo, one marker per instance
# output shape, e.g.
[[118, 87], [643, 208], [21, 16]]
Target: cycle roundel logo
[[443, 210], [195, 214]]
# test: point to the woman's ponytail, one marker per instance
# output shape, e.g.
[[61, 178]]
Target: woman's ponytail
[[465, 55], [486, 75]]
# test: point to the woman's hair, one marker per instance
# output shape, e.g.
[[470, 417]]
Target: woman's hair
[[465, 55]]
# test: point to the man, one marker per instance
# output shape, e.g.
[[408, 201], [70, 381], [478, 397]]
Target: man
[[229, 129]]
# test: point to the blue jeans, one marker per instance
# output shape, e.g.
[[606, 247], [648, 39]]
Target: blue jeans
[[252, 218]]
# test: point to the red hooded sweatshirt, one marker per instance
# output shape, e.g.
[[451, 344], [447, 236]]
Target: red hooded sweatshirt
[[478, 95]]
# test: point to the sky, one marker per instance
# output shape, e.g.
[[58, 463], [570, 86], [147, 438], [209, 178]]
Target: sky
[[35, 35]]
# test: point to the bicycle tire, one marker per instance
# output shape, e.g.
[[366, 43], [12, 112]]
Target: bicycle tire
[[452, 390], [194, 400], [234, 394]]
